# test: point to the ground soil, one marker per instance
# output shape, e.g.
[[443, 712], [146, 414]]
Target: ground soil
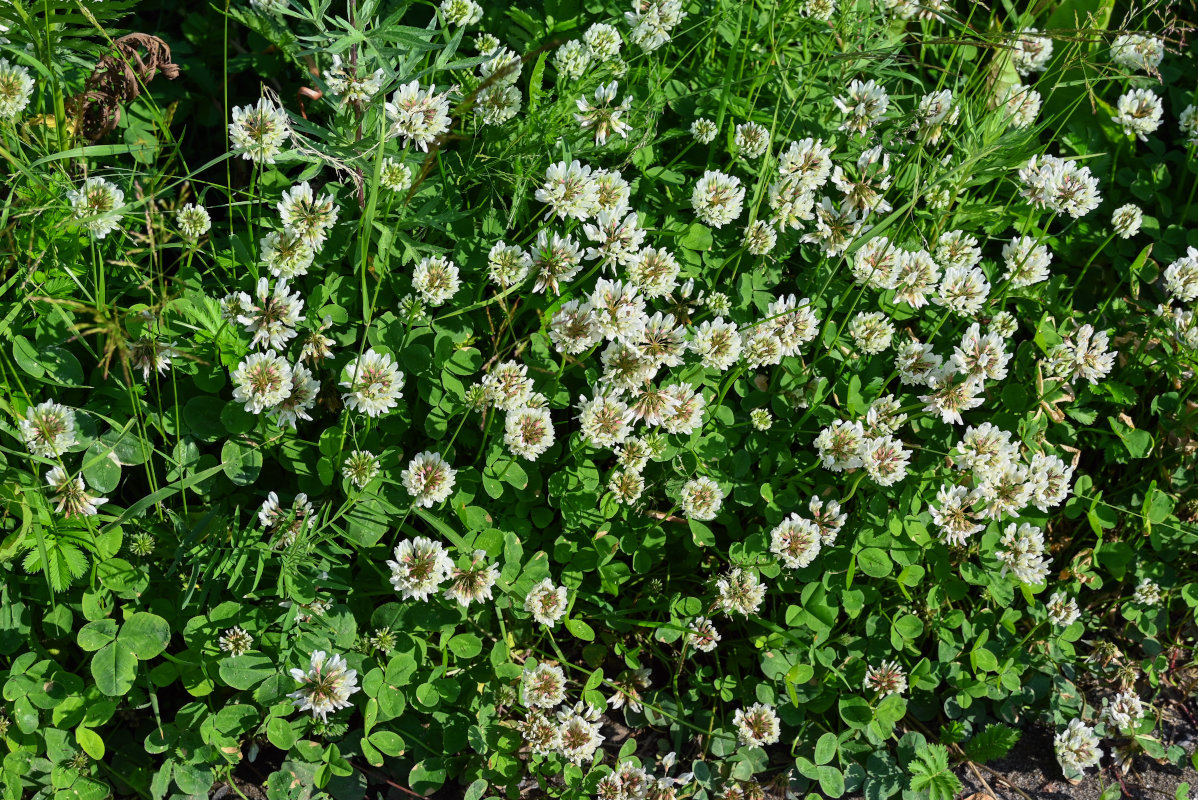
[[1031, 768]]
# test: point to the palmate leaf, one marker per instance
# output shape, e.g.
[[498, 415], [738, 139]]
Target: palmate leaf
[[993, 742], [931, 777], [64, 562]]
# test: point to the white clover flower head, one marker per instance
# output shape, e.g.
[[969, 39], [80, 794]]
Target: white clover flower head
[[839, 445], [508, 386], [235, 641], [1082, 354], [150, 355], [885, 459], [1187, 123], [916, 276], [1181, 277], [287, 253], [627, 485], [757, 725], [740, 591], [573, 328], [963, 290], [461, 13], [1077, 748], [497, 104], [871, 332], [528, 432], [1022, 553], [701, 498], [262, 381], [954, 516], [542, 686], [546, 602], [344, 81], [603, 114], [950, 393], [374, 383], [759, 238], [507, 265], [863, 105], [1050, 478], [796, 541], [325, 687], [569, 191], [98, 204], [271, 315], [420, 567], [193, 221], [48, 429], [418, 115], [360, 467], [1126, 220], [71, 496], [1027, 261], [429, 479], [473, 584], [436, 279], [572, 59], [1059, 185], [396, 176], [885, 678], [1030, 53], [605, 420], [1021, 104], [258, 132], [717, 343], [1062, 610], [717, 199], [1123, 712], [578, 733], [936, 111], [761, 419], [1147, 593], [304, 389], [1139, 113], [751, 139], [16, 89], [917, 365], [310, 215], [603, 41], [704, 130], [617, 236], [654, 272], [1138, 52], [702, 635]]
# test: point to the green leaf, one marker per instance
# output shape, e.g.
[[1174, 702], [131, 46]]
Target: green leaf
[[580, 629], [280, 733], [388, 742], [100, 469], [145, 634], [465, 645], [874, 562], [242, 464], [931, 777], [95, 635], [245, 671], [427, 776], [114, 667], [697, 237], [90, 741], [825, 748], [994, 742]]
